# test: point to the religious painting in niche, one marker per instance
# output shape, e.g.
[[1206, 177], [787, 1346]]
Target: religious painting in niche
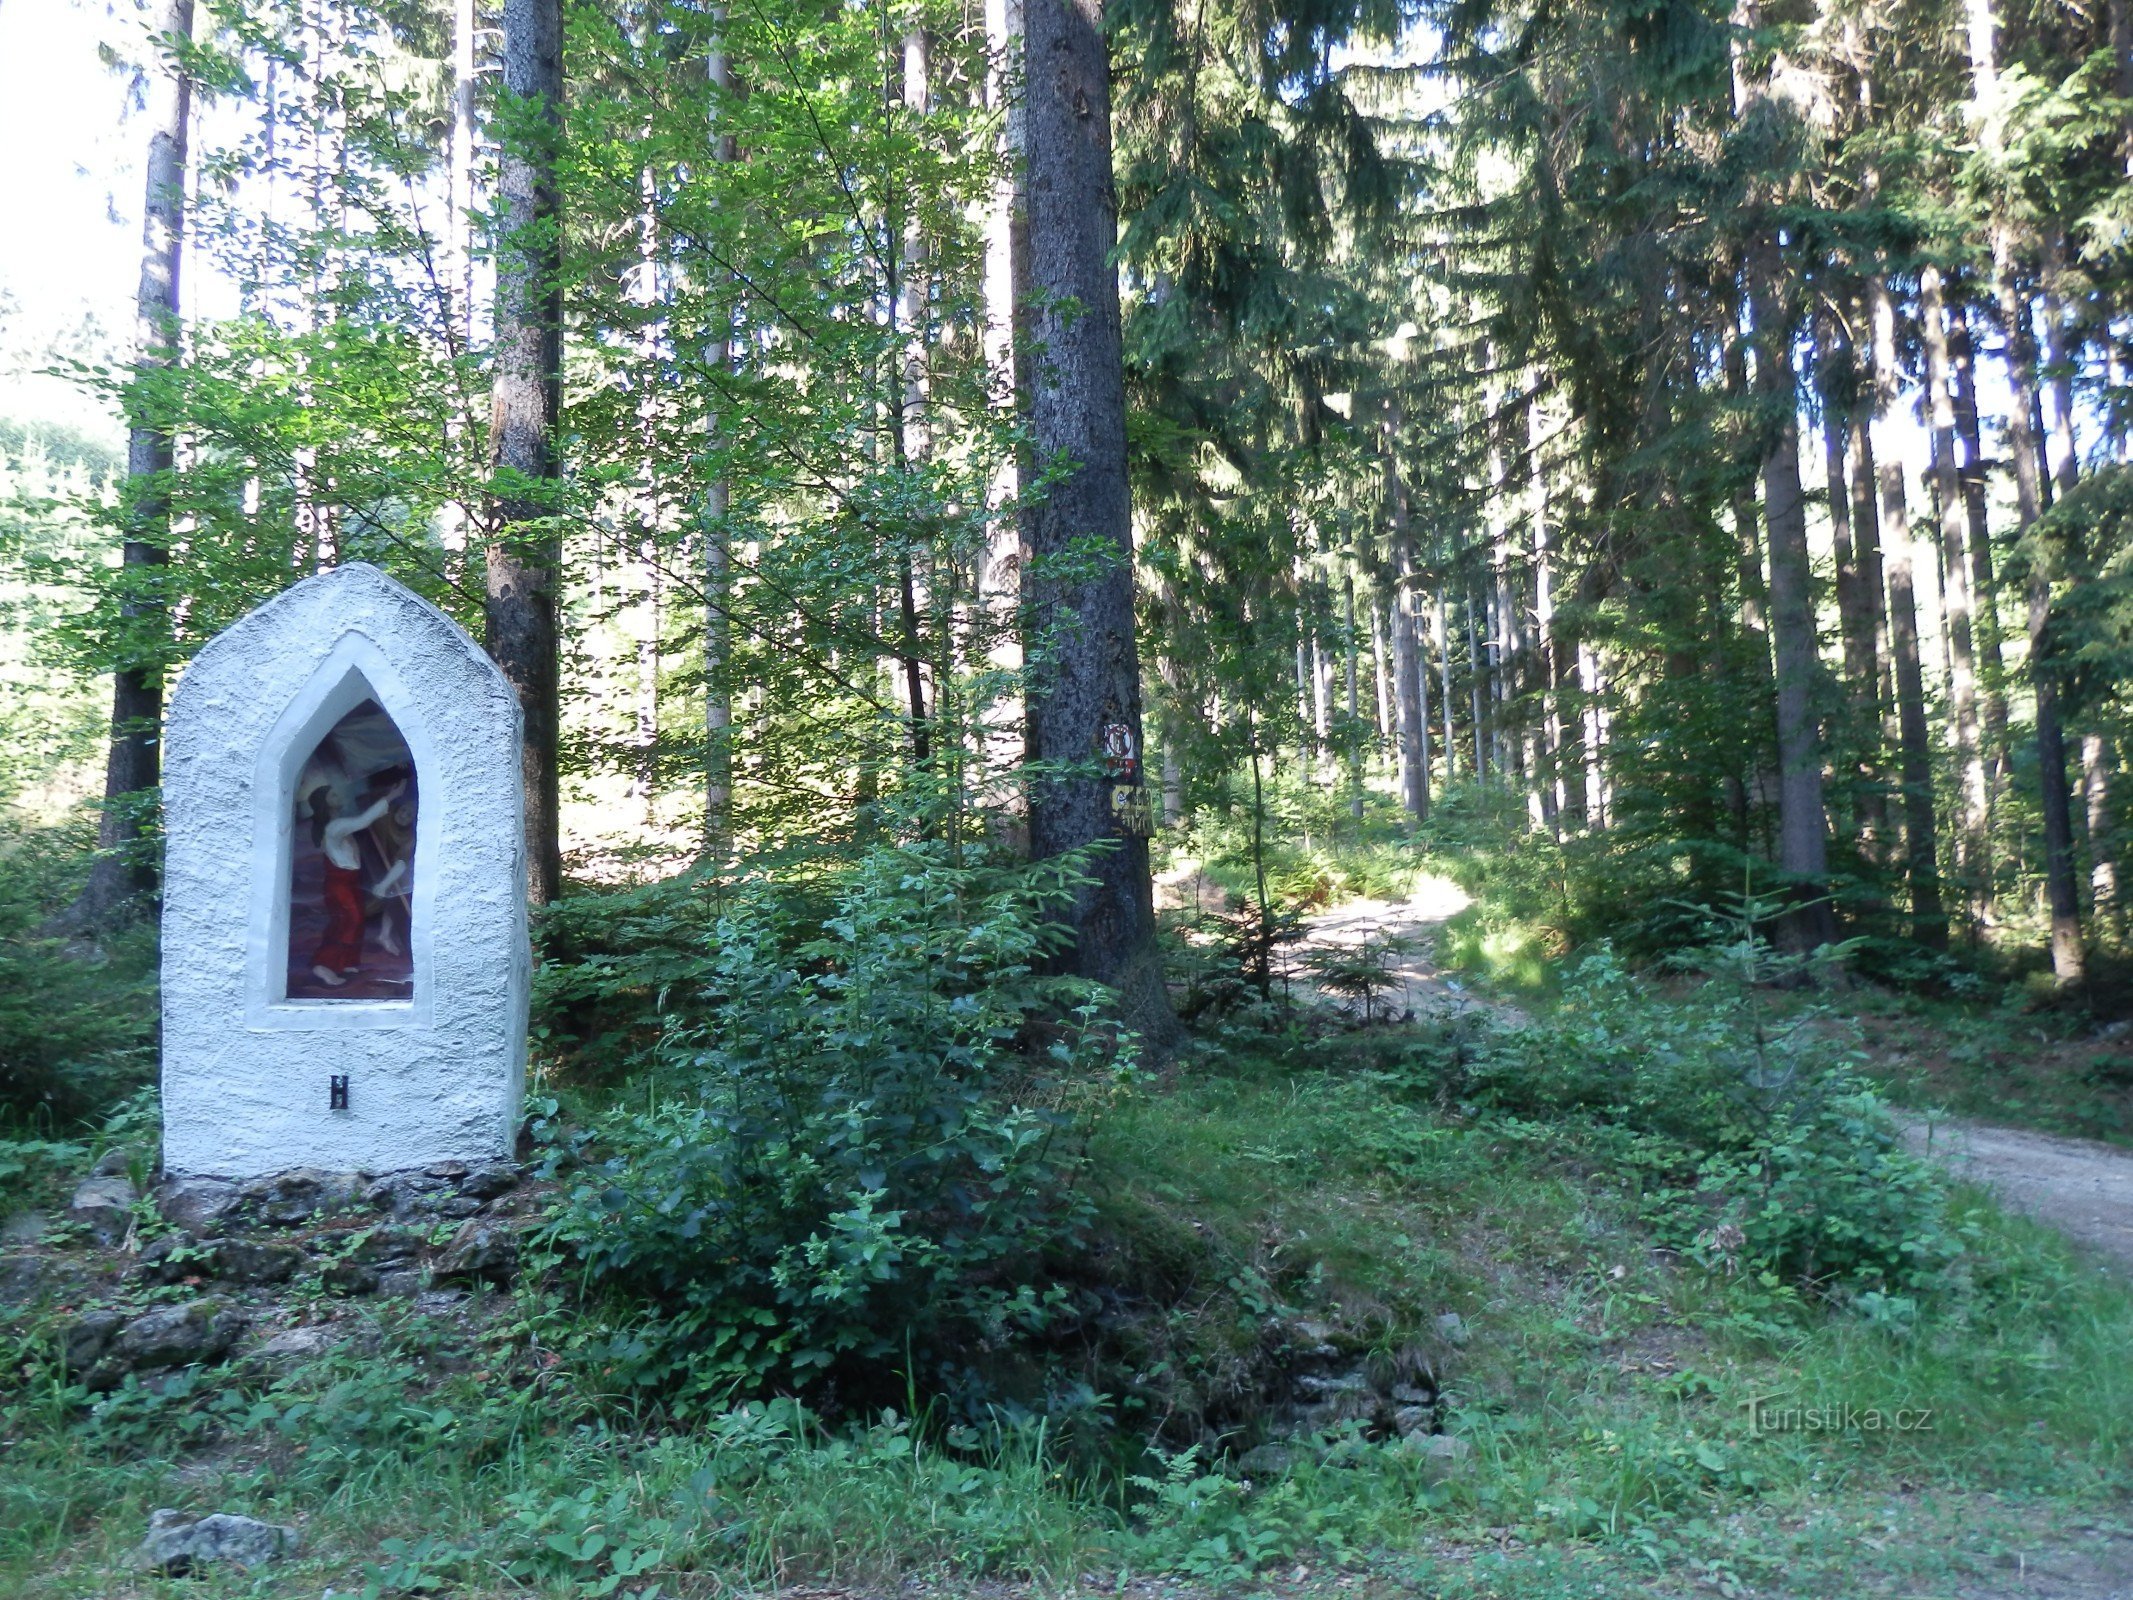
[[352, 864]]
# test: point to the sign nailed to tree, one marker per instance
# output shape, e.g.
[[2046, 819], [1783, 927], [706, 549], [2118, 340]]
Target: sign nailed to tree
[[1121, 765], [1130, 812]]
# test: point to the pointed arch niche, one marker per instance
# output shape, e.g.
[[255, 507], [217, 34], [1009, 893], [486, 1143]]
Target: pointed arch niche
[[344, 868]]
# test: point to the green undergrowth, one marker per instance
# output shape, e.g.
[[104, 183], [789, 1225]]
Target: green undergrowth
[[1600, 1383], [874, 1260]]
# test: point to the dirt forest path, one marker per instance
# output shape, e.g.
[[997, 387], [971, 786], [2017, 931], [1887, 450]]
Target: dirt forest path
[[2082, 1188], [1416, 986]]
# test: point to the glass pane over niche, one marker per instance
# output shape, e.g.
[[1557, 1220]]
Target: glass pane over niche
[[352, 864]]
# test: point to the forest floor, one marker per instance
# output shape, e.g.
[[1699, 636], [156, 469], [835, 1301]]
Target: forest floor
[[2081, 1187], [1594, 1379]]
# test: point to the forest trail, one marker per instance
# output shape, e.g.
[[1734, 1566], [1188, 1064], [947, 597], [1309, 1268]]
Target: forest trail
[[1415, 983], [2082, 1188]]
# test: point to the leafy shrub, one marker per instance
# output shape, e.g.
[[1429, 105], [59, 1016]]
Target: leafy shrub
[[1760, 1141], [76, 1023], [857, 1144]]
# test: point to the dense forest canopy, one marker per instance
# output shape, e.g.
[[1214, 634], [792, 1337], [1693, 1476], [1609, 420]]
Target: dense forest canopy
[[1698, 424], [1258, 739]]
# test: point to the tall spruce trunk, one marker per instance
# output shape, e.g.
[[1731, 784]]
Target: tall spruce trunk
[[1084, 668], [1440, 636], [1380, 672], [1408, 694], [717, 529], [906, 382], [1547, 768], [1352, 739], [124, 870], [524, 553], [1929, 918], [1957, 603], [1992, 672], [2062, 892], [1803, 827], [2069, 962]]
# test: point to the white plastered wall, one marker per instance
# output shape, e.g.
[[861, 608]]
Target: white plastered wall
[[246, 1071]]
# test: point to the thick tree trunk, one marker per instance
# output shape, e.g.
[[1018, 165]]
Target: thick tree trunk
[[1929, 919], [2062, 895], [1855, 624], [1987, 114], [1084, 669], [124, 870], [523, 554], [1957, 604], [1803, 827]]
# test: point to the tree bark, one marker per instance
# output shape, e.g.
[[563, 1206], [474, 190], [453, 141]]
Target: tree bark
[[1547, 771], [717, 531], [2103, 855], [1084, 673], [1474, 690], [1441, 637], [1929, 918], [1987, 115], [1957, 604], [1803, 828], [2069, 960], [1352, 740], [1381, 672], [1592, 688], [524, 552], [124, 871], [1992, 672], [1408, 694]]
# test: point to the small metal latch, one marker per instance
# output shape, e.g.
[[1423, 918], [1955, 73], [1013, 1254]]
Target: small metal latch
[[337, 1092]]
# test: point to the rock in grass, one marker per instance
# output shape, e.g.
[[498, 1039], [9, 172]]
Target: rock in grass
[[1443, 1455], [195, 1206], [481, 1252], [287, 1199], [257, 1260], [178, 1544], [293, 1347], [194, 1334], [23, 1230], [106, 1205], [87, 1338], [488, 1181]]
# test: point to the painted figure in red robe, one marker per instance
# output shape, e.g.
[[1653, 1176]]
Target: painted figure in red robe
[[340, 951]]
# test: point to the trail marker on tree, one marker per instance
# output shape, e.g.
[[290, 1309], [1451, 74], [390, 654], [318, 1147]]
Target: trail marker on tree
[[345, 964]]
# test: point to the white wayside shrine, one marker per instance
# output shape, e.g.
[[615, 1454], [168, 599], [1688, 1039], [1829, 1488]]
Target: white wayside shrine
[[345, 964]]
